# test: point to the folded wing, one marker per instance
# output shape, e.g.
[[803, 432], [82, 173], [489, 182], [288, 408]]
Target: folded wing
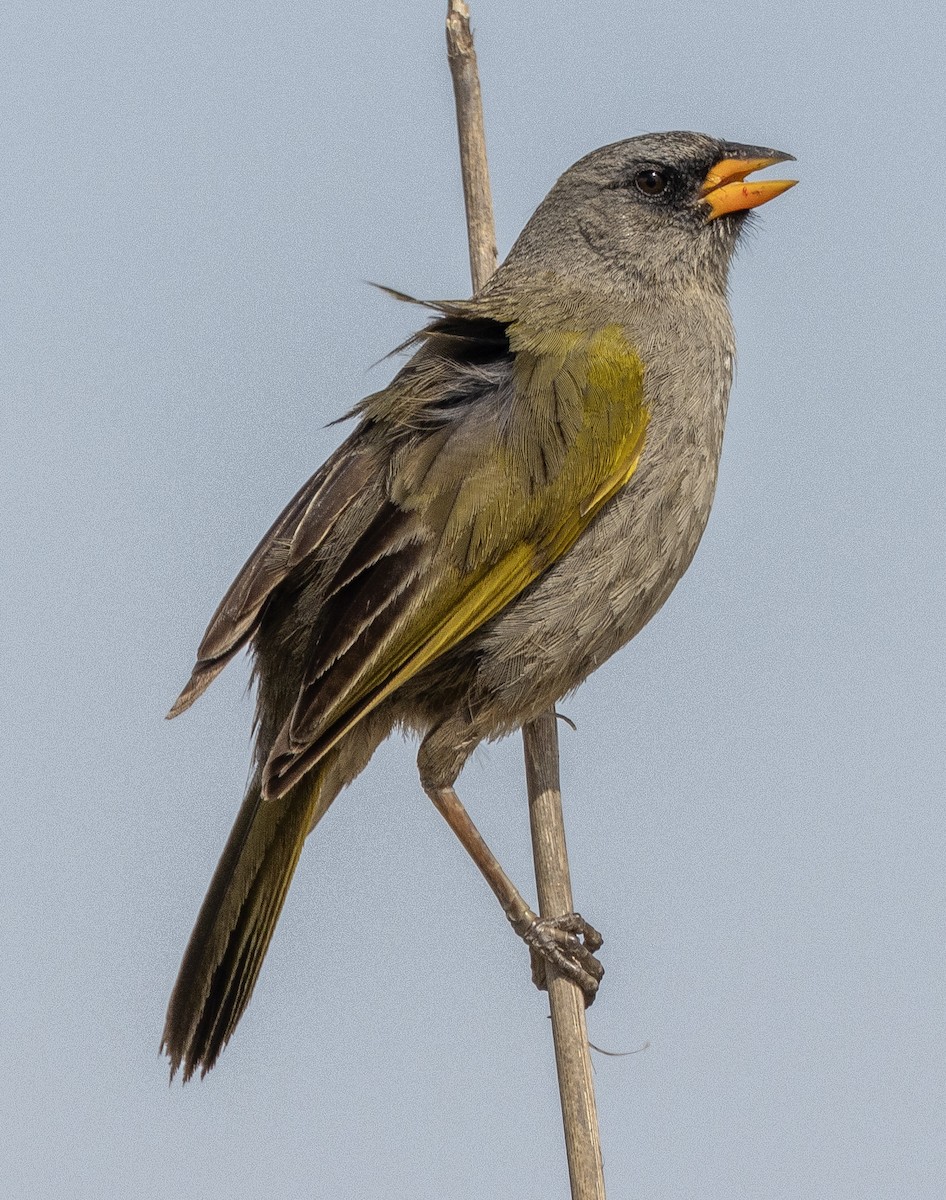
[[496, 446]]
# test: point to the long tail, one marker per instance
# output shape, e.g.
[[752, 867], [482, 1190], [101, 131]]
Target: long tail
[[236, 922]]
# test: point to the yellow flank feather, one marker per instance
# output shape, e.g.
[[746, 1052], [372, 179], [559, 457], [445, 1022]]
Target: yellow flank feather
[[514, 504]]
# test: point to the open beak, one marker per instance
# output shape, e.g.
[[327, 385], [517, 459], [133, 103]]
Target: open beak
[[725, 190]]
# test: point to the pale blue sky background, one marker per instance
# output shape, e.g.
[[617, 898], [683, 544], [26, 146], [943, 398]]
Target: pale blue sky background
[[192, 196]]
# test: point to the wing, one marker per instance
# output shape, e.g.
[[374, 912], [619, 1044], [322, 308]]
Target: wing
[[449, 349], [516, 456], [484, 461]]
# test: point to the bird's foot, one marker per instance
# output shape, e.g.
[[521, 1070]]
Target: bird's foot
[[566, 943]]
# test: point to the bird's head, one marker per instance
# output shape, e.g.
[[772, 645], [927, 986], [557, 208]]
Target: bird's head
[[664, 207]]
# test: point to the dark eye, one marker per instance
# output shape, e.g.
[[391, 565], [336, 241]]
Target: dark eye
[[651, 181]]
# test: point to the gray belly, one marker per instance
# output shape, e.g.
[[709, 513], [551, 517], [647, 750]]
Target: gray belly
[[594, 600]]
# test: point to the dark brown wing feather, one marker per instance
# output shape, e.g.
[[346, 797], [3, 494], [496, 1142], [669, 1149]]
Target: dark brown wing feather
[[374, 587], [295, 534]]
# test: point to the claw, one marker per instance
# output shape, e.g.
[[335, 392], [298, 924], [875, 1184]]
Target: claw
[[567, 944]]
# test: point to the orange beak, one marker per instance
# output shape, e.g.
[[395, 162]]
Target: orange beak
[[725, 190]]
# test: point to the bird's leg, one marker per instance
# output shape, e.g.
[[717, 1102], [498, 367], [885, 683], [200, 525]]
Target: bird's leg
[[566, 942]]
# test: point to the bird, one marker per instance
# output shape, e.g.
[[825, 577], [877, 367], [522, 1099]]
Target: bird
[[506, 514]]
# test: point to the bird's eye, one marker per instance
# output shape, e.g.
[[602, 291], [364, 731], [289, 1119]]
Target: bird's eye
[[651, 181]]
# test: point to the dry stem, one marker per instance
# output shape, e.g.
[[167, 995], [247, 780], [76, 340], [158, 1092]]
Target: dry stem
[[540, 737]]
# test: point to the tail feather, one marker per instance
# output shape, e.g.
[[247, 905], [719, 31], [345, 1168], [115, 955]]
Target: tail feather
[[235, 924]]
